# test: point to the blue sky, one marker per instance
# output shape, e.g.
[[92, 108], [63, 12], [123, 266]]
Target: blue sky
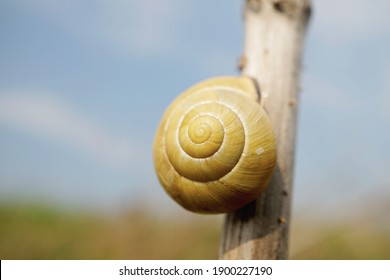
[[83, 85]]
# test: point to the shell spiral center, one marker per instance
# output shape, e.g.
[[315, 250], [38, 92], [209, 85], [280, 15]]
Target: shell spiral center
[[210, 140], [201, 137]]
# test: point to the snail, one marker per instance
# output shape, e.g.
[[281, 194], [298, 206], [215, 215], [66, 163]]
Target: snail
[[215, 149]]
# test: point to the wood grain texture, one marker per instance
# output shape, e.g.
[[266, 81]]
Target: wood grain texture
[[273, 45]]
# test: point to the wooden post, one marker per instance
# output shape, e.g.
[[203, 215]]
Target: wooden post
[[273, 45]]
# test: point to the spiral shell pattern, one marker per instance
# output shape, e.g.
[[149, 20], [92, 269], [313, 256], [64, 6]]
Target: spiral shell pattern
[[215, 149]]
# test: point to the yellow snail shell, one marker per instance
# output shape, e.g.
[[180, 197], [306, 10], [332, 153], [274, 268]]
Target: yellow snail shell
[[215, 149]]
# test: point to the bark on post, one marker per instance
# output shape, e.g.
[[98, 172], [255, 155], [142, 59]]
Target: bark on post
[[273, 45]]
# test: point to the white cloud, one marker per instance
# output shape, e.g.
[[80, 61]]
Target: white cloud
[[49, 117], [146, 26], [143, 27], [340, 22]]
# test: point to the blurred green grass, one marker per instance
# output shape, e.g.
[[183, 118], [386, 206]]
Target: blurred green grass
[[43, 232]]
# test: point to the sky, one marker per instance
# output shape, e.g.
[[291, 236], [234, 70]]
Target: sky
[[83, 85]]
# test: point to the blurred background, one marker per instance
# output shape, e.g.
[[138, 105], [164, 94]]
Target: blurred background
[[83, 85]]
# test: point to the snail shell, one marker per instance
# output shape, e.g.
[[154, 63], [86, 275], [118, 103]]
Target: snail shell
[[215, 149]]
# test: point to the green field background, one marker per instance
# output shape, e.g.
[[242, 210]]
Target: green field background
[[38, 231]]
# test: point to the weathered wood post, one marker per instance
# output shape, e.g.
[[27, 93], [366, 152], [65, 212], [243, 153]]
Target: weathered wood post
[[273, 44]]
